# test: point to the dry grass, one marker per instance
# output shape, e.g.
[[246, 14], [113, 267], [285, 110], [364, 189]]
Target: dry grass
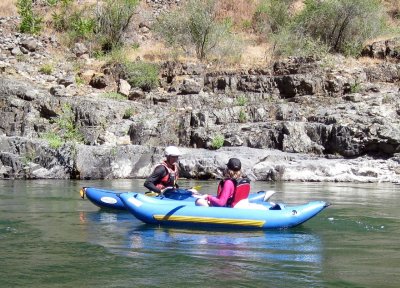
[[393, 7], [239, 11], [154, 51], [8, 8], [296, 7], [255, 53], [368, 61]]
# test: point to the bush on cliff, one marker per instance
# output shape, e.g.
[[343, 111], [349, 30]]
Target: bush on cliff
[[64, 130], [141, 74], [271, 16], [112, 20], [194, 27], [330, 26], [102, 26], [343, 25], [30, 22]]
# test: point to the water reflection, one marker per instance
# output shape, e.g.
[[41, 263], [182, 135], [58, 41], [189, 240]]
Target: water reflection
[[122, 234], [252, 245]]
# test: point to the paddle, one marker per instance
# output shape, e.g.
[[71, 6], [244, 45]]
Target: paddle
[[82, 192], [194, 190], [265, 195]]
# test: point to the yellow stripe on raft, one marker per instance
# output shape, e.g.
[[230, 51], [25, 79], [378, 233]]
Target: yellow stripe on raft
[[211, 220]]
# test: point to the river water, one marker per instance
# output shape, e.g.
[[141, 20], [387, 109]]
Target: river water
[[49, 237]]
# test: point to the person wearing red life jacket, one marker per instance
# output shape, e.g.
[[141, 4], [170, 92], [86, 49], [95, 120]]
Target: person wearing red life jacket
[[166, 174], [228, 187]]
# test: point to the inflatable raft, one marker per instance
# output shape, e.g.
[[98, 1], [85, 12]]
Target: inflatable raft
[[109, 199], [255, 216]]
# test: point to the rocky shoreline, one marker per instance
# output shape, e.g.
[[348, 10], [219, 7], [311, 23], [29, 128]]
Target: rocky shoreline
[[301, 119]]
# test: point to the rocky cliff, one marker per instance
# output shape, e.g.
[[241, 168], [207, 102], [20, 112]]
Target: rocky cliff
[[300, 119]]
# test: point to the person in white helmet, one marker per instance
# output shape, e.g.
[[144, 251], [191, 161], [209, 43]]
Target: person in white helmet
[[166, 173]]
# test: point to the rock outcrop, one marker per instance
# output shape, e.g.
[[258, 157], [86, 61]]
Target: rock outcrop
[[297, 120]]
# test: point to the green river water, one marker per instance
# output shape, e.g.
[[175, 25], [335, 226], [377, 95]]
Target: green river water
[[49, 237]]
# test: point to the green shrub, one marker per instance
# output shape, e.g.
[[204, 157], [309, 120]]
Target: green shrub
[[102, 26], [112, 20], [128, 113], [288, 42], [241, 100], [79, 80], [246, 24], [81, 26], [78, 23], [242, 116], [46, 69], [271, 16], [52, 2], [54, 140], [194, 27], [61, 20], [343, 25], [30, 23], [355, 87], [218, 141], [117, 56], [113, 95], [65, 129], [66, 123], [141, 74]]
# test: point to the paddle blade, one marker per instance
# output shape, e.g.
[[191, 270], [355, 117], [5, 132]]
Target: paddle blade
[[151, 194], [82, 193], [268, 195]]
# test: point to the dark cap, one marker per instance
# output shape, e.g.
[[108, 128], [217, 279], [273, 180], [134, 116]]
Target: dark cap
[[234, 164]]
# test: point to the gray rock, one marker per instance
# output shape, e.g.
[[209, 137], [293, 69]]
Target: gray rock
[[190, 86], [66, 81], [58, 91], [80, 49], [124, 87], [98, 81]]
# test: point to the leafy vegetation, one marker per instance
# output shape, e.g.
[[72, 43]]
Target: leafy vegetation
[[101, 26], [241, 100], [208, 29], [343, 25], [289, 43], [30, 22], [112, 20], [54, 140], [217, 141], [113, 95], [66, 123], [128, 113], [355, 87], [271, 16], [194, 27], [141, 74], [46, 69], [65, 129], [321, 27], [242, 116]]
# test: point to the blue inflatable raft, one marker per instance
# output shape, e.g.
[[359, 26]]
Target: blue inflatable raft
[[109, 199], [181, 213]]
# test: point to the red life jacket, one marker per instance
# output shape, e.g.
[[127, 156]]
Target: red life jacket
[[242, 190], [170, 179]]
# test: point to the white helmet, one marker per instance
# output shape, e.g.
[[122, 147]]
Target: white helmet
[[172, 151]]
